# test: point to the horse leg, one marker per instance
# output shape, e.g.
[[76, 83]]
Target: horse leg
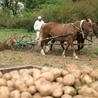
[[62, 45], [74, 53], [80, 41], [80, 46], [53, 41], [42, 49], [65, 50], [41, 44], [46, 45]]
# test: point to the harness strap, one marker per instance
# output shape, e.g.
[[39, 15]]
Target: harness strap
[[62, 35], [63, 28], [75, 26], [80, 29]]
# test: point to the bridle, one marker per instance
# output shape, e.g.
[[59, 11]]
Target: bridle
[[81, 30]]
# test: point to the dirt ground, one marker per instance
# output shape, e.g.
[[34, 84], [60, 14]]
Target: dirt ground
[[54, 58]]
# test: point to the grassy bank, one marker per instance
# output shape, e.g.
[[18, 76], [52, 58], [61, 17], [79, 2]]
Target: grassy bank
[[9, 33]]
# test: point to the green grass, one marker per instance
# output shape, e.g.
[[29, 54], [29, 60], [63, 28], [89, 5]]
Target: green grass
[[96, 51], [9, 33]]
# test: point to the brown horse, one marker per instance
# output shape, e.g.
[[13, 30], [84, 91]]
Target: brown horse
[[64, 33], [80, 39]]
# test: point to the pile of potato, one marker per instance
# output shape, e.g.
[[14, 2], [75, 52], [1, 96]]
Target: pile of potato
[[72, 82]]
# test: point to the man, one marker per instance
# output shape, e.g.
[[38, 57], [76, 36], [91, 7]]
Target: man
[[37, 25]]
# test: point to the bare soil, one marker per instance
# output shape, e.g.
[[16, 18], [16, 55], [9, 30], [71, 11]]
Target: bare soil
[[53, 58]]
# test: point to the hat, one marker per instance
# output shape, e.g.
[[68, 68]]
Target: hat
[[39, 17]]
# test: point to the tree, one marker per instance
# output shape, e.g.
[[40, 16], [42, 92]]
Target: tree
[[14, 5]]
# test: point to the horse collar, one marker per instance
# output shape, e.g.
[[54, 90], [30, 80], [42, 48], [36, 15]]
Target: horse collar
[[81, 22]]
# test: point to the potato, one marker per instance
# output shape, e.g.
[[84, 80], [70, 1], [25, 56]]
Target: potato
[[20, 85], [29, 82], [86, 79], [37, 95], [44, 87], [77, 82], [48, 76], [94, 85], [72, 68], [64, 72], [3, 82], [15, 94], [26, 95], [7, 76], [15, 75], [10, 84], [57, 90], [69, 90], [86, 91], [1, 74], [56, 72], [94, 74], [66, 96], [14, 72], [77, 74], [4, 92], [86, 69], [78, 96], [26, 77], [59, 80], [82, 89], [48, 97], [36, 74], [31, 71], [69, 80], [24, 71], [45, 69], [32, 89]]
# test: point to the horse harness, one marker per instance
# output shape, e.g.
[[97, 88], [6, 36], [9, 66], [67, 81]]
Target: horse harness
[[81, 31], [64, 35]]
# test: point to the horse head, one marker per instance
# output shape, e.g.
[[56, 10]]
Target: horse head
[[86, 27], [95, 29]]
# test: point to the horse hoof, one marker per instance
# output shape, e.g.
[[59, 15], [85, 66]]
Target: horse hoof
[[63, 55], [76, 57], [42, 53]]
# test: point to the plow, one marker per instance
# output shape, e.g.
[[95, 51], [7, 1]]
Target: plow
[[26, 42]]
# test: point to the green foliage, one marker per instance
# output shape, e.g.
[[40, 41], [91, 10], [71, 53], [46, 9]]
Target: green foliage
[[72, 93], [78, 87], [69, 11], [62, 11], [37, 4], [96, 52], [8, 33]]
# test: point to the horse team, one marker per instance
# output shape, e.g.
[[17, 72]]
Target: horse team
[[68, 33]]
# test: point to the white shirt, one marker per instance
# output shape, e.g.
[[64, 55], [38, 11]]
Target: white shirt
[[38, 24]]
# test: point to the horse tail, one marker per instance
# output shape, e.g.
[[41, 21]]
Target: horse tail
[[41, 35]]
